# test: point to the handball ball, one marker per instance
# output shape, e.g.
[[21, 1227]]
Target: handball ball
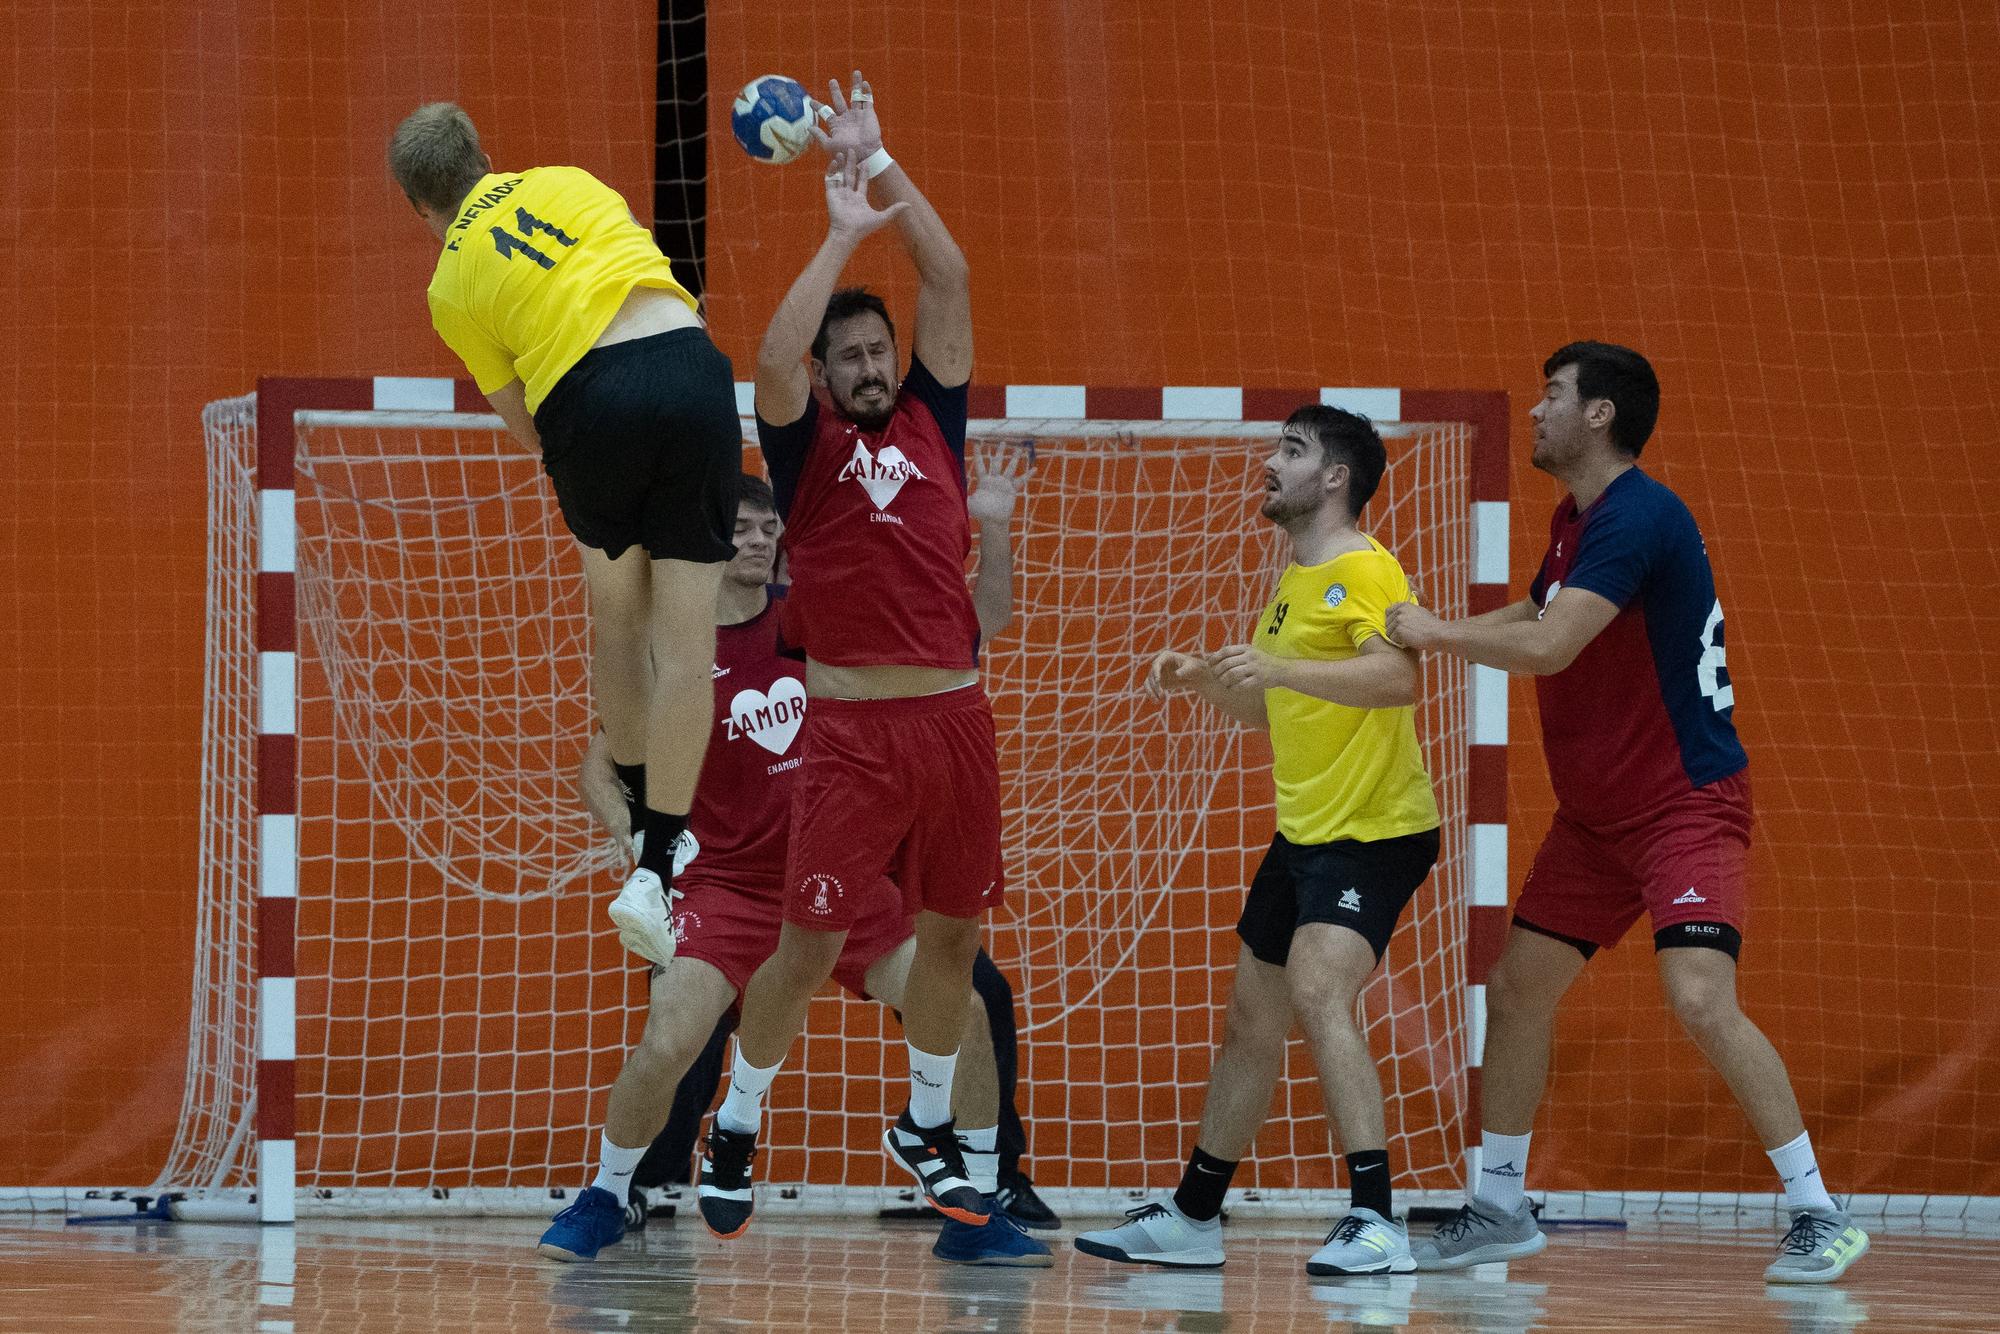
[[772, 118]]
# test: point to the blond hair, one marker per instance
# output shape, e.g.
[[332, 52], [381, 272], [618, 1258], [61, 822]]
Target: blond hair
[[435, 156]]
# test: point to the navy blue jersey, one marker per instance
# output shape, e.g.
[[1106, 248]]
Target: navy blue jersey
[[1644, 714]]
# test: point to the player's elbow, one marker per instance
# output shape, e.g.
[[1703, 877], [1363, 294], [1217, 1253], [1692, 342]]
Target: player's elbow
[[1550, 656], [943, 265]]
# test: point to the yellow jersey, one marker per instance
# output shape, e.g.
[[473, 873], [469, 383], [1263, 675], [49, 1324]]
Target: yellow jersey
[[533, 269], [1341, 772]]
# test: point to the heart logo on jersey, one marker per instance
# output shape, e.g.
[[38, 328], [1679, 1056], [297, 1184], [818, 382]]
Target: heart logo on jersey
[[881, 474], [771, 720]]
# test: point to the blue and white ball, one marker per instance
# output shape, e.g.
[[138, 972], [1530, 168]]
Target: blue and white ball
[[772, 118]]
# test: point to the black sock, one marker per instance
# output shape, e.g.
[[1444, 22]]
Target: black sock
[[1204, 1181], [662, 832], [633, 778], [1368, 1180]]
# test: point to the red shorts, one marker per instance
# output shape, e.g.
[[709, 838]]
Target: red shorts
[[735, 933], [903, 788], [1686, 862]]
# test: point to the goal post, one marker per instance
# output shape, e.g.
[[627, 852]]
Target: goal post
[[405, 997]]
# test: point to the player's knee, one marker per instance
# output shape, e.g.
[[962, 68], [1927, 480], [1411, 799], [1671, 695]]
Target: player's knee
[[1323, 1005], [1252, 1028], [1512, 992], [1706, 1008]]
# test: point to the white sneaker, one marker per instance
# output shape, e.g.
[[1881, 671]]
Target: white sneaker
[[1158, 1234], [641, 910], [1364, 1242]]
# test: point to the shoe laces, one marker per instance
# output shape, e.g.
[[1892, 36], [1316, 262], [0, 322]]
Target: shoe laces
[[730, 1153], [1146, 1211], [1348, 1229], [1809, 1233], [1460, 1223]]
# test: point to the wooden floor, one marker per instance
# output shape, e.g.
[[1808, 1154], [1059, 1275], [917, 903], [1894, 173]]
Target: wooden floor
[[826, 1275]]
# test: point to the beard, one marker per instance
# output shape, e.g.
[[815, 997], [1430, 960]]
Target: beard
[[1280, 508], [870, 419]]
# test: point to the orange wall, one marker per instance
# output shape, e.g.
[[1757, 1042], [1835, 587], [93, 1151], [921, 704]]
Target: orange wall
[[1790, 211]]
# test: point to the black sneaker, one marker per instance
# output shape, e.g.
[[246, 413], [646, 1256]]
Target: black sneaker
[[636, 1209], [725, 1181], [1017, 1199], [932, 1156]]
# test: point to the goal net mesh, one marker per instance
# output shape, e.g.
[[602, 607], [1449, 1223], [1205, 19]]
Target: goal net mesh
[[463, 1003]]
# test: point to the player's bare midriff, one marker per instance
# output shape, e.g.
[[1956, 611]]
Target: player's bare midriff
[[647, 311], [825, 681]]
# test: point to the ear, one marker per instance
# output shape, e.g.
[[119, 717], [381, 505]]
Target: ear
[[1597, 414], [816, 371], [1336, 478]]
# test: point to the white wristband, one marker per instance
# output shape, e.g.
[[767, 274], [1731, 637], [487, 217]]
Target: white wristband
[[876, 163]]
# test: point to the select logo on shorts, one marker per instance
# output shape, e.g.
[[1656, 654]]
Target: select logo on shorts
[[821, 892], [1336, 594]]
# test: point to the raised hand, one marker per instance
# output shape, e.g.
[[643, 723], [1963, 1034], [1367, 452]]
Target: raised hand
[[999, 484], [852, 128], [847, 207]]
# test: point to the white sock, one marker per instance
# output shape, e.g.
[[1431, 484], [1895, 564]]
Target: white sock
[[615, 1167], [1503, 1167], [930, 1086], [742, 1109], [1799, 1170], [982, 1158]]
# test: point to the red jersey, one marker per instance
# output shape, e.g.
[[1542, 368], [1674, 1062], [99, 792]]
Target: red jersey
[[1646, 713], [876, 533], [742, 813]]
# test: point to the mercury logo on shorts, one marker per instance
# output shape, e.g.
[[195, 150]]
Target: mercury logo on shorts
[[821, 890], [1691, 897]]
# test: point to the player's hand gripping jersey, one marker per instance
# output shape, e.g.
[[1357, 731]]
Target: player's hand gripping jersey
[[876, 531], [1644, 713], [534, 267]]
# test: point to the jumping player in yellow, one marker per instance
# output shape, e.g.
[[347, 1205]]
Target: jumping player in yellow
[[573, 325], [1357, 835]]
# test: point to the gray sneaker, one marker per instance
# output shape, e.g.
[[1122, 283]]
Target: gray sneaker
[[1476, 1235], [1818, 1249], [1158, 1234]]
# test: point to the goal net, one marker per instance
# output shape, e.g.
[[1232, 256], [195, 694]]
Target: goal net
[[462, 1003]]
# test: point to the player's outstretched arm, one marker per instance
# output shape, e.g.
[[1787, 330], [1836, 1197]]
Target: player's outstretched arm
[[782, 383], [992, 503], [1380, 676], [1173, 672], [943, 339], [1526, 644]]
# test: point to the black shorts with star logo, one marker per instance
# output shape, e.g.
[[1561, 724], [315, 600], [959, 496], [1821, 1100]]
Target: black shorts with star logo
[[1361, 886]]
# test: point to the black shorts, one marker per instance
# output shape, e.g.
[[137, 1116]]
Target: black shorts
[[1361, 886], [644, 446]]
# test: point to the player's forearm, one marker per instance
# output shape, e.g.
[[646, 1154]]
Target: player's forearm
[[993, 585], [1511, 614], [1245, 706], [796, 323], [1525, 648], [1370, 681], [936, 255]]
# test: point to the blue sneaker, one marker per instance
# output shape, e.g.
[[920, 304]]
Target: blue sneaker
[[997, 1241], [579, 1232]]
